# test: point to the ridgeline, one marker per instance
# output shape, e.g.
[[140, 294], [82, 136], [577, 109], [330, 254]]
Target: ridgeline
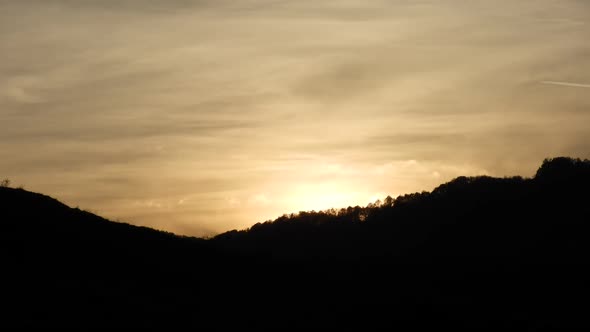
[[476, 252]]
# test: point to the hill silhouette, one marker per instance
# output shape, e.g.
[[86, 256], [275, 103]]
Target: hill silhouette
[[477, 252]]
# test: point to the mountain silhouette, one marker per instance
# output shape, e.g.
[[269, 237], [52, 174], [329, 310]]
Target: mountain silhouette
[[476, 252]]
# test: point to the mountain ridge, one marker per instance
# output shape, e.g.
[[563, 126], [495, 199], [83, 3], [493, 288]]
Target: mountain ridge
[[476, 252], [551, 169]]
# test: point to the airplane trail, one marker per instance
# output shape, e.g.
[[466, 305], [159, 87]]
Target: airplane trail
[[576, 85]]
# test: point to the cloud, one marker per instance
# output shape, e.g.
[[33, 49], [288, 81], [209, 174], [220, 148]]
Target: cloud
[[259, 199], [197, 101], [575, 85]]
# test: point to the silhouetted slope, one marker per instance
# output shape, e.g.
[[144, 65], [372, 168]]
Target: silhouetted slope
[[477, 252], [40, 225], [540, 218], [66, 267]]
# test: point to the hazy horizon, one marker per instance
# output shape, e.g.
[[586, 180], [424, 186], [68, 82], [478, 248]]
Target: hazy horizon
[[202, 116]]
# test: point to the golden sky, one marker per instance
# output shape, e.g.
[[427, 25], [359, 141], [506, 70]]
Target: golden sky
[[202, 116]]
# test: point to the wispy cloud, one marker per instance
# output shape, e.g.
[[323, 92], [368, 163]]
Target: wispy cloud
[[211, 103], [575, 85]]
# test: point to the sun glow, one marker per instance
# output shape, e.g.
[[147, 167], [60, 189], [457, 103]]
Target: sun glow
[[324, 196]]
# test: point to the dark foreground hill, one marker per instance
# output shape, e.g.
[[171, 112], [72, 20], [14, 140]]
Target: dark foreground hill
[[481, 252]]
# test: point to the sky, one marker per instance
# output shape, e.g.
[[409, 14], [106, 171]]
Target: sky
[[198, 117]]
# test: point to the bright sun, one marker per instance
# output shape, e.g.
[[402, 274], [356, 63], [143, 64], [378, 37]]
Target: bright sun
[[323, 196]]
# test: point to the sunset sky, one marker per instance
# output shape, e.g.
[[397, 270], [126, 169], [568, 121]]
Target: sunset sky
[[202, 116]]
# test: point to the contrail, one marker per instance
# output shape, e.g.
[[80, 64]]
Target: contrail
[[576, 85]]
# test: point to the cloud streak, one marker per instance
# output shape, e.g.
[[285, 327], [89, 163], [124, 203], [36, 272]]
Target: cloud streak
[[575, 85]]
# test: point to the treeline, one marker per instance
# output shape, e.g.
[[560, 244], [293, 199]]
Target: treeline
[[480, 253], [462, 217]]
